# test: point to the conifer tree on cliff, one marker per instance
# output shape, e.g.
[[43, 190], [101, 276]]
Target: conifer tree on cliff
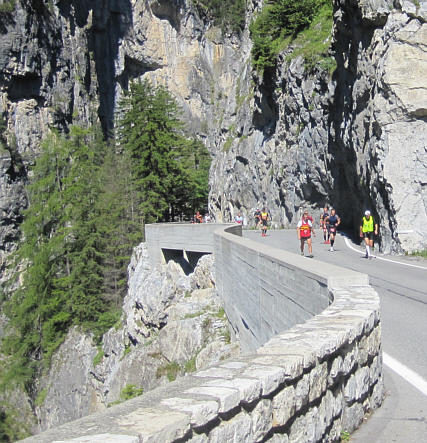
[[60, 253], [170, 170]]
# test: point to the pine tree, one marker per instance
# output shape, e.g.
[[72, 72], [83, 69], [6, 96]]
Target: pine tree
[[163, 158], [120, 226], [61, 252]]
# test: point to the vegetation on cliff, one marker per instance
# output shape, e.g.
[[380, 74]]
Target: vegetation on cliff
[[88, 201], [306, 24], [230, 16]]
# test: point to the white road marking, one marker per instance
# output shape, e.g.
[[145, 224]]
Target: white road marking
[[347, 242], [408, 374], [403, 371]]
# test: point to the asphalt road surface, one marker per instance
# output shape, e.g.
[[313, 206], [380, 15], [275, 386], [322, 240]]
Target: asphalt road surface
[[401, 283]]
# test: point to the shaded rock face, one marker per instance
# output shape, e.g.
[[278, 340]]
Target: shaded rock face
[[379, 118], [172, 323], [12, 201], [56, 69]]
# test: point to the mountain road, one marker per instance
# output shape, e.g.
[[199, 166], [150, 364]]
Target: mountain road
[[401, 283]]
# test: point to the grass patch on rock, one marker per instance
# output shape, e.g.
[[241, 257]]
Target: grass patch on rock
[[171, 370], [313, 43]]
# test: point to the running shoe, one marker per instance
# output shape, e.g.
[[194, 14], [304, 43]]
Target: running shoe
[[331, 249]]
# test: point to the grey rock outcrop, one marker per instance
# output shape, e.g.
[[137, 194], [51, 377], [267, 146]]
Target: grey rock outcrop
[[356, 140], [12, 201], [172, 324]]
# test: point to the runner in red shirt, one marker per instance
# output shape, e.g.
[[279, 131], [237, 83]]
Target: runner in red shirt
[[304, 230]]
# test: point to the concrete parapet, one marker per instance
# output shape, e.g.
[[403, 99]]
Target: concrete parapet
[[265, 290], [195, 237], [304, 384]]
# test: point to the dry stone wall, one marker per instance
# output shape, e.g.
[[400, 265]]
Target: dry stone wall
[[306, 384]]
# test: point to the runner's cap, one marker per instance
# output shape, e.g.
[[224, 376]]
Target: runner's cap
[[367, 213]]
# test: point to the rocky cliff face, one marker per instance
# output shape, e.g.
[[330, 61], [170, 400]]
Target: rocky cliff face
[[172, 324], [292, 140], [379, 115], [356, 140]]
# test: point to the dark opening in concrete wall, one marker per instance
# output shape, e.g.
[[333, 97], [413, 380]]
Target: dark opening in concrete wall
[[186, 259]]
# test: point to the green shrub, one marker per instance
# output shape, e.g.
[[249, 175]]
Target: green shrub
[[106, 320], [130, 391], [7, 7], [98, 357], [313, 43], [41, 397], [230, 17], [190, 365], [227, 144], [11, 426], [227, 336], [422, 253], [345, 436], [220, 313], [125, 352], [171, 370], [278, 24]]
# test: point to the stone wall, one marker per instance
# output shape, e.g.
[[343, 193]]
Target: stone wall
[[306, 384]]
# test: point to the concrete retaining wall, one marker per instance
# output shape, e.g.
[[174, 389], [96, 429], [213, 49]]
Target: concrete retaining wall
[[306, 384]]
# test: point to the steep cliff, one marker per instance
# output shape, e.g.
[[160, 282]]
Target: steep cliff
[[356, 140]]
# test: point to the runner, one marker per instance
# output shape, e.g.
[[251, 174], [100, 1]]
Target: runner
[[239, 218], [198, 218], [304, 230], [325, 225], [264, 222], [367, 229], [333, 221], [257, 216]]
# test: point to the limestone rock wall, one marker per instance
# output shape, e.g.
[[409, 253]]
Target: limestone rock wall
[[48, 79], [379, 116], [355, 140], [296, 139]]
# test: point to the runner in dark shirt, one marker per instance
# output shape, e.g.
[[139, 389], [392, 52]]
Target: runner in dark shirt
[[324, 225], [333, 221]]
